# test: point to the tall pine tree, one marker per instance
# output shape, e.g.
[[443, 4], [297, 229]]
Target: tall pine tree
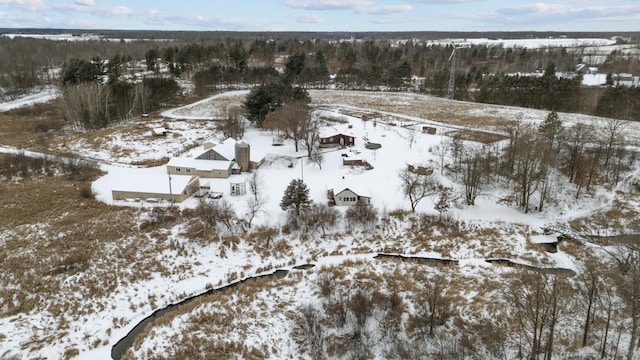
[[296, 197]]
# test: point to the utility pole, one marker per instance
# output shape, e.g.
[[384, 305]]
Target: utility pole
[[301, 169], [170, 192], [452, 74]]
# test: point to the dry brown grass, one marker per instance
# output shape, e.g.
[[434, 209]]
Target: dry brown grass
[[51, 233], [430, 108], [621, 215], [29, 127], [209, 321], [477, 136]]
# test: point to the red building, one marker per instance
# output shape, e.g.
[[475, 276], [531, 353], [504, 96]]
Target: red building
[[337, 139]]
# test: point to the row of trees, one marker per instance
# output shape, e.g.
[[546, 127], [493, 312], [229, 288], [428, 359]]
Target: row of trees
[[535, 314], [541, 92], [358, 64], [96, 94], [538, 161]]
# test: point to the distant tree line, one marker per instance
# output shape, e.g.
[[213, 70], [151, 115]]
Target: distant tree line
[[218, 61], [540, 92]]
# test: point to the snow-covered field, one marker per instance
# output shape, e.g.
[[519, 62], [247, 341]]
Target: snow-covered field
[[564, 42], [57, 37], [40, 96], [396, 123]]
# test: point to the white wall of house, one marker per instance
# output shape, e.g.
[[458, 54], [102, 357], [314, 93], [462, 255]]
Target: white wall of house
[[346, 197]]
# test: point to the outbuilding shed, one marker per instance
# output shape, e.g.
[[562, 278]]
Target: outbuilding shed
[[173, 188]]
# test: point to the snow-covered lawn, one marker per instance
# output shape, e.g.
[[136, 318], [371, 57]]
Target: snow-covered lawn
[[492, 229]]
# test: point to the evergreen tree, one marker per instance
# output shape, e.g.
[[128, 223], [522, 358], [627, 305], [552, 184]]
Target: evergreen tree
[[77, 71], [550, 128], [296, 197], [293, 67], [267, 97]]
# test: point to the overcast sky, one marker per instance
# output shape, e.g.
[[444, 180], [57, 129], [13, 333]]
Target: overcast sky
[[324, 15]]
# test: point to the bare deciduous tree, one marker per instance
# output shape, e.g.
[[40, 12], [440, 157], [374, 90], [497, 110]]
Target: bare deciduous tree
[[416, 187], [537, 301], [365, 215], [307, 328], [233, 126], [473, 167], [529, 167], [614, 137], [590, 286], [316, 157], [212, 213], [320, 216], [627, 260], [441, 151], [433, 307], [257, 200], [410, 135], [513, 130], [310, 132], [294, 120], [578, 137], [86, 106]]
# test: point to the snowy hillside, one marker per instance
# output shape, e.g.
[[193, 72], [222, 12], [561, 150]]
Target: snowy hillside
[[171, 259]]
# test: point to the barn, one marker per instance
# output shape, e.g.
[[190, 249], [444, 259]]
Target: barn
[[216, 161]]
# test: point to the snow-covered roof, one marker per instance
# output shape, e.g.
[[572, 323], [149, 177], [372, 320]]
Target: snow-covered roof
[[360, 193], [227, 149], [594, 79], [543, 239], [328, 132], [347, 185], [198, 164], [152, 183]]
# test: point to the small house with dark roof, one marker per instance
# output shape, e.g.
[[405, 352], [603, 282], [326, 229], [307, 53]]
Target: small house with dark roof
[[334, 138]]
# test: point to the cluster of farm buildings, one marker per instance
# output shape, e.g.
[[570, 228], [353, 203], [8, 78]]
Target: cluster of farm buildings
[[187, 175]]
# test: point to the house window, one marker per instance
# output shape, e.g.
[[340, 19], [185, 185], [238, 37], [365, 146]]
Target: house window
[[178, 169]]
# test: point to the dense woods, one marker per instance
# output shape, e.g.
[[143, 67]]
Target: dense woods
[[213, 61]]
